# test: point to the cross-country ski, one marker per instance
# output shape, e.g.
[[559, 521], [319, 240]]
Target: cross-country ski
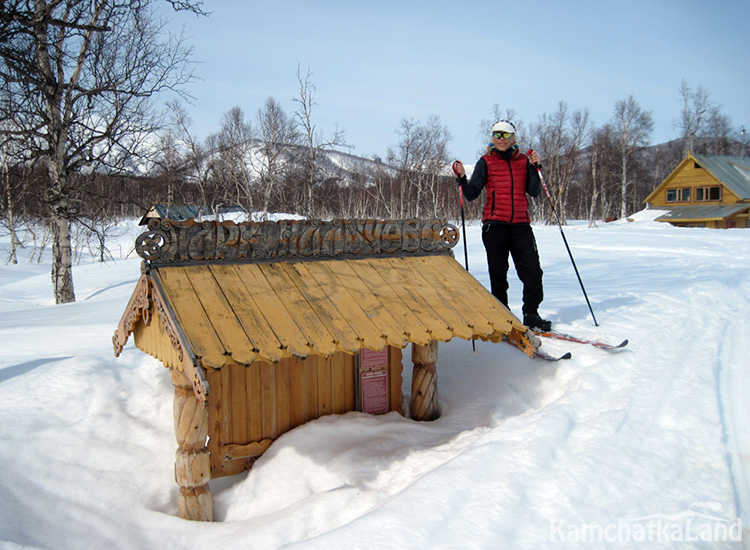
[[538, 353], [580, 340]]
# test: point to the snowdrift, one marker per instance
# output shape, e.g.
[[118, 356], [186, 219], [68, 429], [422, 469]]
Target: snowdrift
[[638, 448]]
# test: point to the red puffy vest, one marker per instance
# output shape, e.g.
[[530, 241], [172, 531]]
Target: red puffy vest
[[506, 189]]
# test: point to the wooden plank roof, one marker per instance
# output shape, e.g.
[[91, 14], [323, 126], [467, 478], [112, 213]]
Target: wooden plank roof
[[271, 311]]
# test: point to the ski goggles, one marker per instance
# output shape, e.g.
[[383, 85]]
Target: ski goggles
[[502, 135]]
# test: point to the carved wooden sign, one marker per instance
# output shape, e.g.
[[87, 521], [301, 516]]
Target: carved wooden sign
[[168, 241]]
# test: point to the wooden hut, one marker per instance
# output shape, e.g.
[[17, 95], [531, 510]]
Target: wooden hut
[[183, 213], [705, 191], [265, 326]]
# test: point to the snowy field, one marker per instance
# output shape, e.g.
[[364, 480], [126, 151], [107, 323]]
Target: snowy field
[[647, 447]]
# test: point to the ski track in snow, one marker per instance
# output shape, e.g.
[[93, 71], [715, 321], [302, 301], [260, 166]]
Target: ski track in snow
[[733, 387]]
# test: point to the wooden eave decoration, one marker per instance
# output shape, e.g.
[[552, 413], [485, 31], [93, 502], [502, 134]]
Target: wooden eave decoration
[[146, 303], [235, 293]]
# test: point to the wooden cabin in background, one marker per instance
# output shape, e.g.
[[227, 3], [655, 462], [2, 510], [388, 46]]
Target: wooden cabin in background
[[265, 326], [705, 191], [183, 213]]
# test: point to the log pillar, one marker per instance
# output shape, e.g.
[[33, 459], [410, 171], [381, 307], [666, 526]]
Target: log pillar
[[424, 393], [192, 469]]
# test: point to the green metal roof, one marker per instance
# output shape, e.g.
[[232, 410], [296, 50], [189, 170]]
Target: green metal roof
[[734, 172]]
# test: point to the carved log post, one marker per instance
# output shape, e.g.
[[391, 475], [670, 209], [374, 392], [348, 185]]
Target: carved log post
[[192, 468], [424, 394]]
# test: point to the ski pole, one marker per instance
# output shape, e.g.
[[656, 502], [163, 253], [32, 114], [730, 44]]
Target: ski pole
[[463, 218], [559, 224], [463, 231]]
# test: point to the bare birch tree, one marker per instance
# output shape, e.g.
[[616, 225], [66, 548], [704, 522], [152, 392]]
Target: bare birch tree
[[15, 170], [277, 134], [561, 136], [198, 158], [436, 159], [697, 107], [232, 166], [405, 159], [85, 73], [603, 173], [632, 128], [314, 142], [420, 158]]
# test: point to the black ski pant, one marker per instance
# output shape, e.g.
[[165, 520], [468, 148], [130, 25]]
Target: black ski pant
[[501, 239]]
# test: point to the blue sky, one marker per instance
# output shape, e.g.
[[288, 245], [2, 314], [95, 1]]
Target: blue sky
[[376, 63]]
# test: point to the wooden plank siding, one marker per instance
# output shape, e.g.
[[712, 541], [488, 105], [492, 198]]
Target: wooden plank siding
[[689, 176], [395, 373], [248, 407], [152, 338]]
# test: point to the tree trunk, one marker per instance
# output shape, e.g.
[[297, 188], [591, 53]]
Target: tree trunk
[[62, 261], [594, 187], [624, 188], [10, 215]]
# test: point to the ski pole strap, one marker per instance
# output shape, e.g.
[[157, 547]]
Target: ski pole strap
[[537, 165], [460, 189], [541, 177]]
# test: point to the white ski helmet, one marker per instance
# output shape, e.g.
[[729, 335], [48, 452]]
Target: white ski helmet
[[503, 126]]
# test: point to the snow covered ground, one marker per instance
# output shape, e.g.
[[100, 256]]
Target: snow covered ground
[[631, 449]]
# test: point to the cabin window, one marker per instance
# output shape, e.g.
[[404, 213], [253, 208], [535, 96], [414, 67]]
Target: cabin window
[[703, 194], [678, 195]]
